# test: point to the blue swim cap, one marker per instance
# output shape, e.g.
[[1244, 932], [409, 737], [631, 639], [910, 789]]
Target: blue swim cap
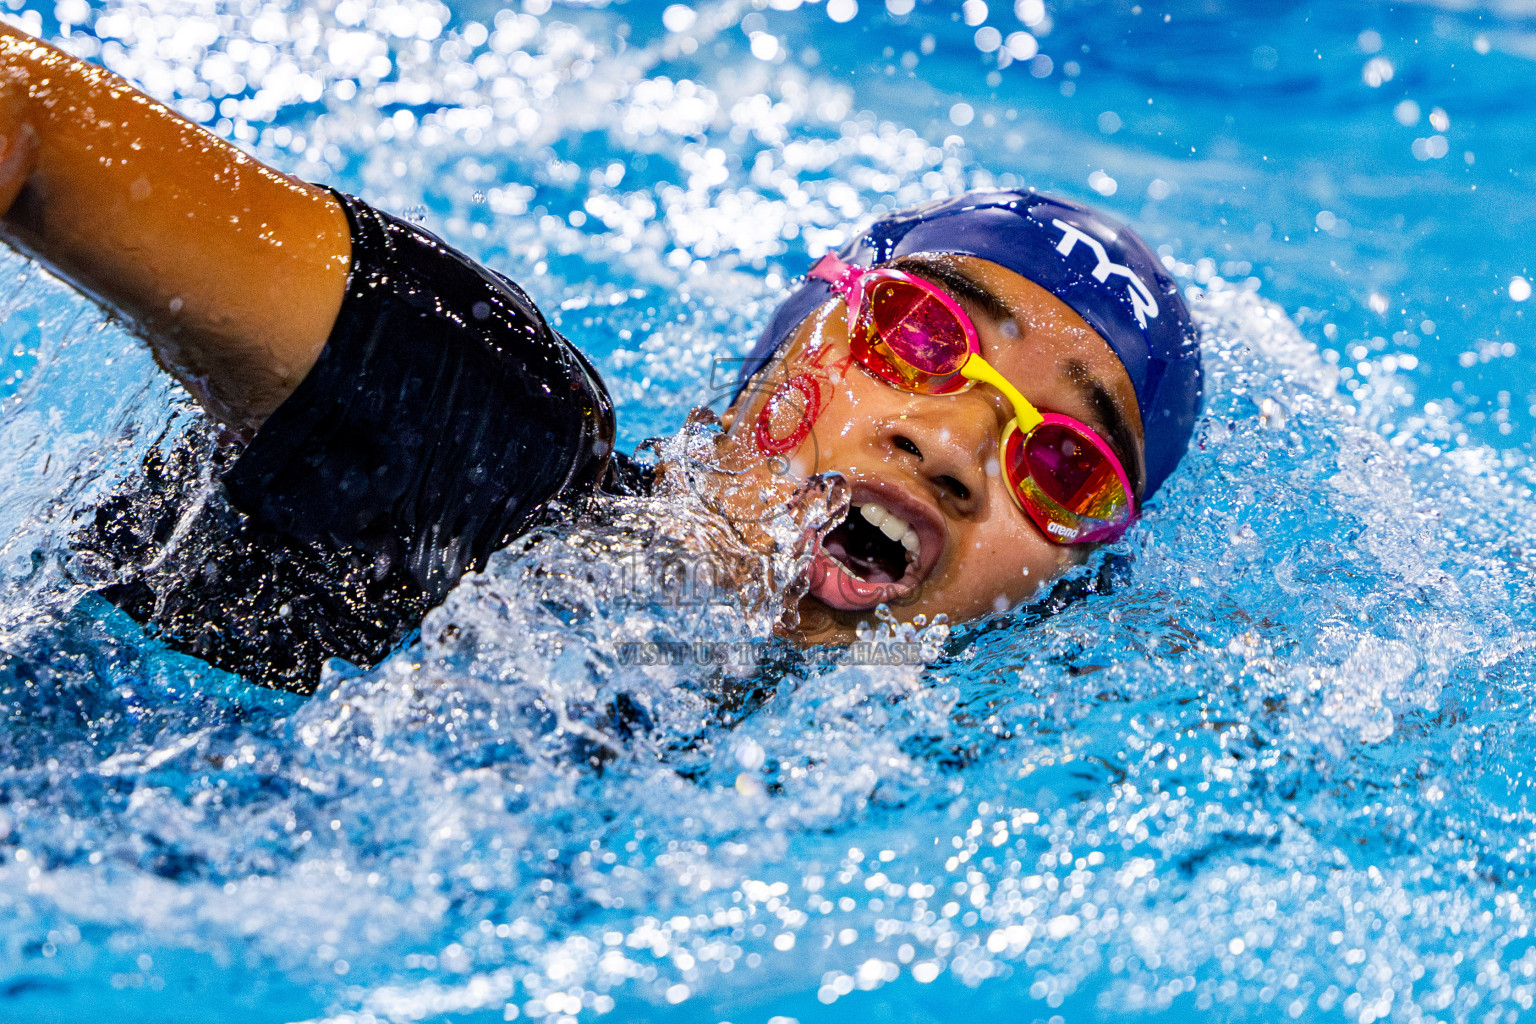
[[1094, 264]]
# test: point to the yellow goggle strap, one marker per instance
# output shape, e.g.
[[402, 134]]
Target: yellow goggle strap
[[978, 369]]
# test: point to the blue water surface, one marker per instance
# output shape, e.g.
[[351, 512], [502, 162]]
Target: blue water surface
[[1280, 769]]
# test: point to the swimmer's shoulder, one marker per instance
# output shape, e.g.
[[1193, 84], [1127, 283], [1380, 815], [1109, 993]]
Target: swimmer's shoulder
[[442, 420], [443, 415]]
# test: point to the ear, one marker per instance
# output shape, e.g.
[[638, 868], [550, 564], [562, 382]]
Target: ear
[[753, 388]]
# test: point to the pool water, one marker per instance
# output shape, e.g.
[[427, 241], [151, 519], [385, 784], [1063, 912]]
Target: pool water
[[1278, 769]]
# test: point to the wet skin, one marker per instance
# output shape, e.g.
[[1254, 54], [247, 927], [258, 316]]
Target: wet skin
[[235, 273], [934, 458]]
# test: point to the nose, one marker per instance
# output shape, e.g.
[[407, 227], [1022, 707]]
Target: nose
[[952, 442]]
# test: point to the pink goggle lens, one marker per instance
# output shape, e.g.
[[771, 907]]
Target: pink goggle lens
[[1060, 464], [914, 338]]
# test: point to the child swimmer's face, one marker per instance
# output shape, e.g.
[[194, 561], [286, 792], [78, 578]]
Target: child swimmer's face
[[932, 461]]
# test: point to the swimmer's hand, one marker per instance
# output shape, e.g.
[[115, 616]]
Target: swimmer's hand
[[232, 271]]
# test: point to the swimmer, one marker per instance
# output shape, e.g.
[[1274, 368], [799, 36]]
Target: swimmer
[[1003, 379]]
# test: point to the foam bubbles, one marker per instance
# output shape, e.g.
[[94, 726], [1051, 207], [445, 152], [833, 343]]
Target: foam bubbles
[[1102, 183], [764, 46], [1023, 46], [842, 10], [1030, 12], [1377, 72], [678, 18]]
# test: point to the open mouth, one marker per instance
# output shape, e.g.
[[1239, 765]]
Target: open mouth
[[874, 544], [879, 554]]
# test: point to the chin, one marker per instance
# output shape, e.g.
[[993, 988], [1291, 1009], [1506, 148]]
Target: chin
[[822, 625]]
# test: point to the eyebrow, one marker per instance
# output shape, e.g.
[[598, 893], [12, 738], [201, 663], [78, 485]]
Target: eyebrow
[[958, 285], [1121, 438]]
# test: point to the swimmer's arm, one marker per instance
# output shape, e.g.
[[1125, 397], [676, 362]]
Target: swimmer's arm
[[233, 272]]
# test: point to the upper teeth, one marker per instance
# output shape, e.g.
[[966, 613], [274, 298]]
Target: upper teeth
[[892, 525]]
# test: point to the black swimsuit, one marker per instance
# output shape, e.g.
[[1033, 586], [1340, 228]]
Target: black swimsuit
[[441, 420]]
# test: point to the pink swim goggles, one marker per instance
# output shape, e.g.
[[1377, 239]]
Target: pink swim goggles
[[916, 338]]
